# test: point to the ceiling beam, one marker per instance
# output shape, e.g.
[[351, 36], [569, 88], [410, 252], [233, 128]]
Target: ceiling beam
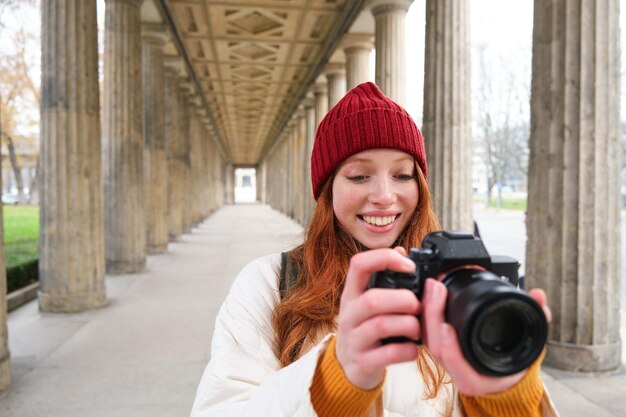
[[342, 25], [169, 21]]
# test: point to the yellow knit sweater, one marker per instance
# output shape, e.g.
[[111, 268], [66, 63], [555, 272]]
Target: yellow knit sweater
[[332, 394]]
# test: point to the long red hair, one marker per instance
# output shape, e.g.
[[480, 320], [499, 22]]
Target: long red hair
[[311, 306]]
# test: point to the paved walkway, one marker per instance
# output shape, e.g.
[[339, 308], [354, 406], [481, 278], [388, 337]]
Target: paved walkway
[[143, 354]]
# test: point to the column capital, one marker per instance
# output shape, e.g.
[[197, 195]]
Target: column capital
[[193, 99], [175, 63], [170, 72], [333, 68], [357, 41], [201, 110], [154, 32], [383, 6], [185, 86], [307, 103], [292, 122], [301, 112], [320, 88], [131, 2]]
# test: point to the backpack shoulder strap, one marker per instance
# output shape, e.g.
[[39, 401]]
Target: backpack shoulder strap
[[288, 276]]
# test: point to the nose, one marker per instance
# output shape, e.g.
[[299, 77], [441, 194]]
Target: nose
[[382, 193]]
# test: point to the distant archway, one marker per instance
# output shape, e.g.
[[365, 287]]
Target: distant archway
[[245, 185]]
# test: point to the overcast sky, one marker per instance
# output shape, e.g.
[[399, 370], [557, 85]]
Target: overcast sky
[[504, 28]]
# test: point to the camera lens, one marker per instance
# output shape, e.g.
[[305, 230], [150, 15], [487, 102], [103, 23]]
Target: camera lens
[[501, 329], [506, 336]]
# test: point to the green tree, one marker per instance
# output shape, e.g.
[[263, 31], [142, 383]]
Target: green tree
[[19, 95]]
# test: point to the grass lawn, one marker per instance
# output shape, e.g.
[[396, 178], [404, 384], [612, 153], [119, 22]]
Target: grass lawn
[[508, 203], [21, 234]]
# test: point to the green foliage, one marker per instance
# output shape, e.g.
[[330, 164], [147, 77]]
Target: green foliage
[[21, 244], [21, 275]]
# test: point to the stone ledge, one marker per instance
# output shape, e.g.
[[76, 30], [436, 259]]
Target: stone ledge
[[20, 297]]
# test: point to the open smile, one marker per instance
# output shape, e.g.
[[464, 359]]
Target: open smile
[[378, 224]]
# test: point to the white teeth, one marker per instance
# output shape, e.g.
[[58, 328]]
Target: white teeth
[[379, 221]]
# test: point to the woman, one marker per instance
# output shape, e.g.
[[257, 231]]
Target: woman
[[310, 344]]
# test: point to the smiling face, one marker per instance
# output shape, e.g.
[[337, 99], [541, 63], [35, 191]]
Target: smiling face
[[374, 196]]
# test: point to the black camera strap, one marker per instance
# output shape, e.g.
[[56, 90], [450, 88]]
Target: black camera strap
[[288, 276]]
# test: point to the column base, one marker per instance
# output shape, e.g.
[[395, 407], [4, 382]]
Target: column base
[[157, 249], [584, 358], [174, 237], [5, 372], [125, 267], [71, 303]]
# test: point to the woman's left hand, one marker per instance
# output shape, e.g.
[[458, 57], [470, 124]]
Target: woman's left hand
[[442, 342]]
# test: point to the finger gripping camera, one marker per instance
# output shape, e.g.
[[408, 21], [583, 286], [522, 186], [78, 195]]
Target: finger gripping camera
[[501, 329]]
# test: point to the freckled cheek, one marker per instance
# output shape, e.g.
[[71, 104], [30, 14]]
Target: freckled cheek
[[411, 196], [345, 208]]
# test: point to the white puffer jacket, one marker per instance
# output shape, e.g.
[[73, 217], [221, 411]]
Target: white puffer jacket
[[244, 378]]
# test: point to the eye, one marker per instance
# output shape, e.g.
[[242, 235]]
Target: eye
[[358, 178], [405, 177]]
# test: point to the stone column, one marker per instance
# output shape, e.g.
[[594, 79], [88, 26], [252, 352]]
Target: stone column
[[309, 137], [357, 48], [320, 93], [447, 107], [573, 248], [336, 76], [229, 173], [196, 166], [291, 162], [155, 147], [71, 240], [299, 173], [219, 182], [191, 190], [275, 168], [269, 168], [172, 134], [261, 183], [183, 151], [390, 17], [5, 363], [205, 173], [125, 220], [285, 161], [212, 156]]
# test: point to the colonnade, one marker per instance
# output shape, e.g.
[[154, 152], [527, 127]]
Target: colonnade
[[156, 158]]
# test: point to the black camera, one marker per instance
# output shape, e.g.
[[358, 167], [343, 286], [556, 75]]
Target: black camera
[[501, 329]]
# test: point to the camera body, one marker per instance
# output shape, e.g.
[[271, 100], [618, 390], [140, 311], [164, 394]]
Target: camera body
[[500, 328]]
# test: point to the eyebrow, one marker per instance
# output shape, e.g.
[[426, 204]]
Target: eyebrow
[[368, 160]]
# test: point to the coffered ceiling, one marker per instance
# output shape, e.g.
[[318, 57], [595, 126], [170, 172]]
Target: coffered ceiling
[[254, 59]]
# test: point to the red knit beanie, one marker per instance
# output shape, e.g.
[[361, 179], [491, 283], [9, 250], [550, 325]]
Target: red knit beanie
[[363, 119]]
